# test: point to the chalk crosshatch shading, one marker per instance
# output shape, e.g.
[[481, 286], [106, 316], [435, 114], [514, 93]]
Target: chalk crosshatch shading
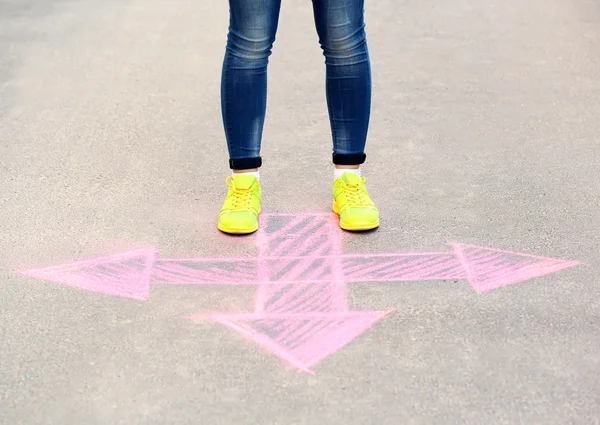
[[301, 311]]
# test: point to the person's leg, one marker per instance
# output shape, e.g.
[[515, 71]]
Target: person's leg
[[341, 29], [252, 29], [340, 26]]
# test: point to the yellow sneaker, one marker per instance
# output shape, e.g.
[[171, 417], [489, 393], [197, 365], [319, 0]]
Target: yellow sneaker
[[240, 211], [352, 203]]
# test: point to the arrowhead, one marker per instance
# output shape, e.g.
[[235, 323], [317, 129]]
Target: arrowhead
[[122, 275], [488, 268], [304, 339]]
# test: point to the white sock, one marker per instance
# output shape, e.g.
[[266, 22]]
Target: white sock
[[251, 173], [339, 171]]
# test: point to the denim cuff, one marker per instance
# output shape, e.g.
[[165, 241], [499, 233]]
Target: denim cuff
[[245, 163], [349, 158]]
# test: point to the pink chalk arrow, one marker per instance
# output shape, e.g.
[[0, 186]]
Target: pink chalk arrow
[[305, 322], [484, 268], [123, 275], [301, 309], [304, 339], [488, 269]]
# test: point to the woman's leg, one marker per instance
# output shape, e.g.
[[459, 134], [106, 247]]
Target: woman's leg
[[252, 29], [340, 26]]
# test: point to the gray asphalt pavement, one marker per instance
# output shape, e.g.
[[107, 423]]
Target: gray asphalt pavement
[[485, 131]]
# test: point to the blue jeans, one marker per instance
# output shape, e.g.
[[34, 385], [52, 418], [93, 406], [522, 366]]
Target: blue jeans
[[252, 28]]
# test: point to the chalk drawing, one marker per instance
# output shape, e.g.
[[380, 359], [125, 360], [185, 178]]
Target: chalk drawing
[[301, 311]]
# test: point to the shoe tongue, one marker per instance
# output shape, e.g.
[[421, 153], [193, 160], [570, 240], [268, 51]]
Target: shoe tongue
[[350, 178], [244, 181]]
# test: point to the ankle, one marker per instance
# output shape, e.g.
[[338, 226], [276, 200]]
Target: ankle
[[341, 169], [251, 172]]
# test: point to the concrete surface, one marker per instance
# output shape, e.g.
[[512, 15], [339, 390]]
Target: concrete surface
[[484, 130]]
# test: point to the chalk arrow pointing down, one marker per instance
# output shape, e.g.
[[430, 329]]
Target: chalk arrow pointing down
[[302, 339], [305, 318]]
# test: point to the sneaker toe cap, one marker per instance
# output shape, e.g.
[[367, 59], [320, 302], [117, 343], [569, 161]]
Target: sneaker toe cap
[[238, 219], [360, 215]]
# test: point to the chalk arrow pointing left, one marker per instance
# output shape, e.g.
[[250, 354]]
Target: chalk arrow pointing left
[[122, 275]]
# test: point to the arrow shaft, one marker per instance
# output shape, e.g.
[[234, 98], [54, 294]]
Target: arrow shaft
[[312, 297], [205, 272], [318, 269], [405, 267], [294, 251]]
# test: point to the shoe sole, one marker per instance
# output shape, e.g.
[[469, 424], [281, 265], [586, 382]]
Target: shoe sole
[[237, 231], [354, 227], [359, 227]]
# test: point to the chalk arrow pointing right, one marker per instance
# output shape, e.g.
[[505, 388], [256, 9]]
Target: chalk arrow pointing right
[[484, 268], [488, 269]]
